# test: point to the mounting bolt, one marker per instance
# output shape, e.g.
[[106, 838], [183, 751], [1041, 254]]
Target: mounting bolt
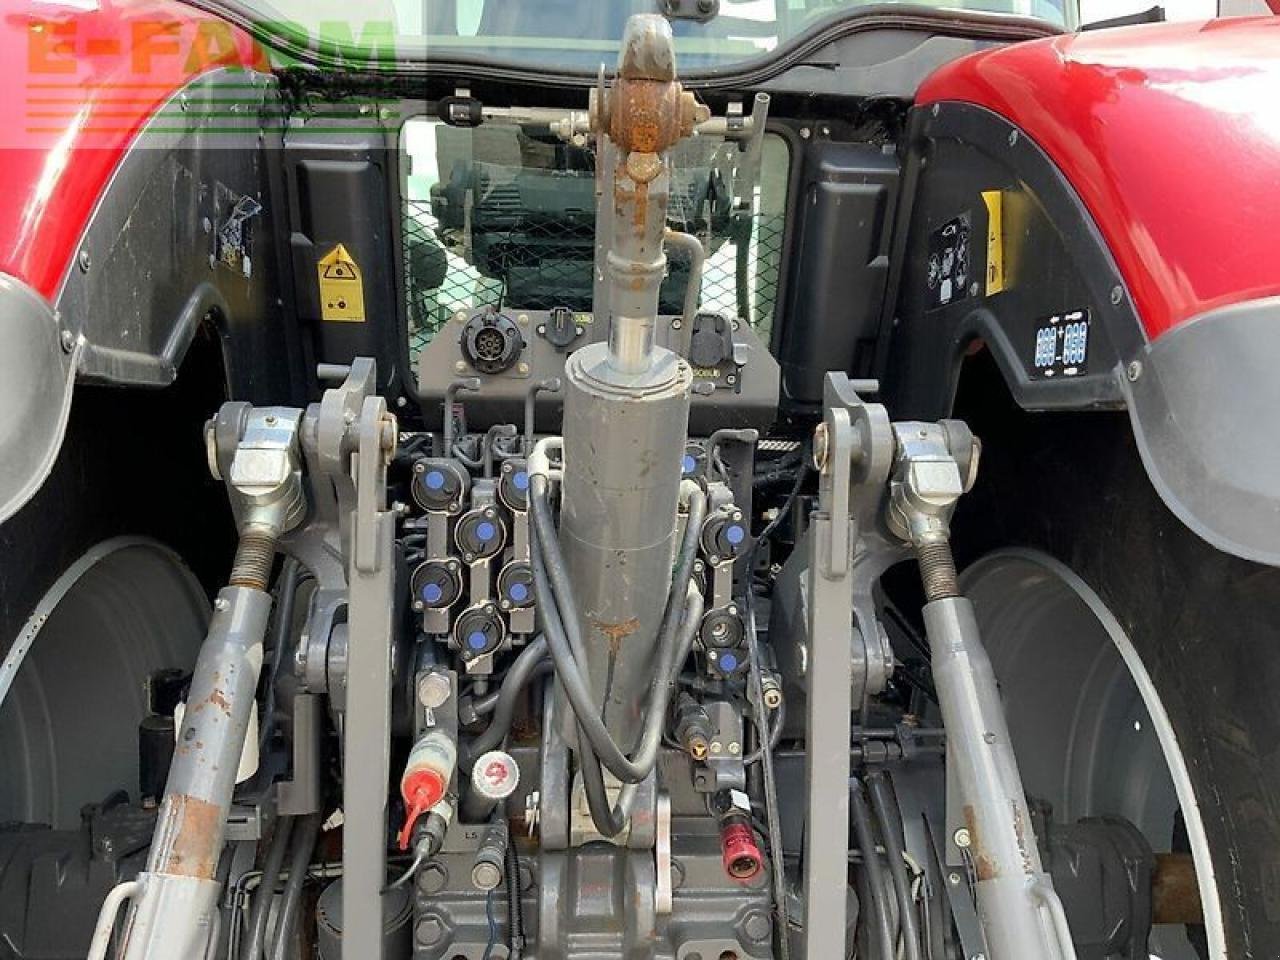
[[757, 926], [1117, 295], [1013, 138], [962, 839], [84, 261], [68, 340], [953, 878], [428, 931], [460, 366], [432, 878], [434, 690], [1134, 371]]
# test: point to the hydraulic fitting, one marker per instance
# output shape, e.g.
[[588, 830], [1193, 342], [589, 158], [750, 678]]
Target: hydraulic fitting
[[515, 585], [772, 685], [426, 778], [739, 851], [480, 534], [693, 727], [479, 631], [436, 584], [439, 486], [513, 485], [724, 535]]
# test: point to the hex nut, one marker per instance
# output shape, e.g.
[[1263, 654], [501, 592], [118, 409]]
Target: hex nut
[[434, 690], [433, 877], [428, 931]]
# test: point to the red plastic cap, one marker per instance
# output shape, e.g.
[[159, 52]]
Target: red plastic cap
[[741, 856], [421, 790]]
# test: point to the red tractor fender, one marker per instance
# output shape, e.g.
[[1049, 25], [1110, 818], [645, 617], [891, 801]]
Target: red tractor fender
[[1167, 138], [1170, 135], [92, 79]]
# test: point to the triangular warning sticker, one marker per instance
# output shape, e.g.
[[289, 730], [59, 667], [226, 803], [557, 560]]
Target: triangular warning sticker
[[341, 287]]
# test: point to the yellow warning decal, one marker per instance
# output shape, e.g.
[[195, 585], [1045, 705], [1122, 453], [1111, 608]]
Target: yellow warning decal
[[994, 200], [341, 287]]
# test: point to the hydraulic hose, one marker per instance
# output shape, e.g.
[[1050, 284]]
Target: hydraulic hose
[[485, 704], [884, 803], [874, 870], [555, 604], [291, 900], [524, 667], [775, 734], [610, 820], [469, 384], [256, 935]]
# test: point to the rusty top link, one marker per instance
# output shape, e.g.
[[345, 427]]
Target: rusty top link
[[648, 50], [648, 116]]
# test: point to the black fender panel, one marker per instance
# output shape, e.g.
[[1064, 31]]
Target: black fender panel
[[1202, 398]]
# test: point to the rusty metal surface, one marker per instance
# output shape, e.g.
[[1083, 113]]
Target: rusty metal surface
[[1175, 891], [188, 837], [645, 115], [648, 49]]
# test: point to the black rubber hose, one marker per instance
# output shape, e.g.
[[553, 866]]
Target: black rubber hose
[[610, 819], [515, 909], [304, 848], [484, 705], [504, 710], [255, 938], [885, 803], [470, 384], [554, 597], [775, 732], [876, 882]]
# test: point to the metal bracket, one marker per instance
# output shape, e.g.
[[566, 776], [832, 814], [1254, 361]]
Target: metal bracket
[[853, 451], [351, 440]]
